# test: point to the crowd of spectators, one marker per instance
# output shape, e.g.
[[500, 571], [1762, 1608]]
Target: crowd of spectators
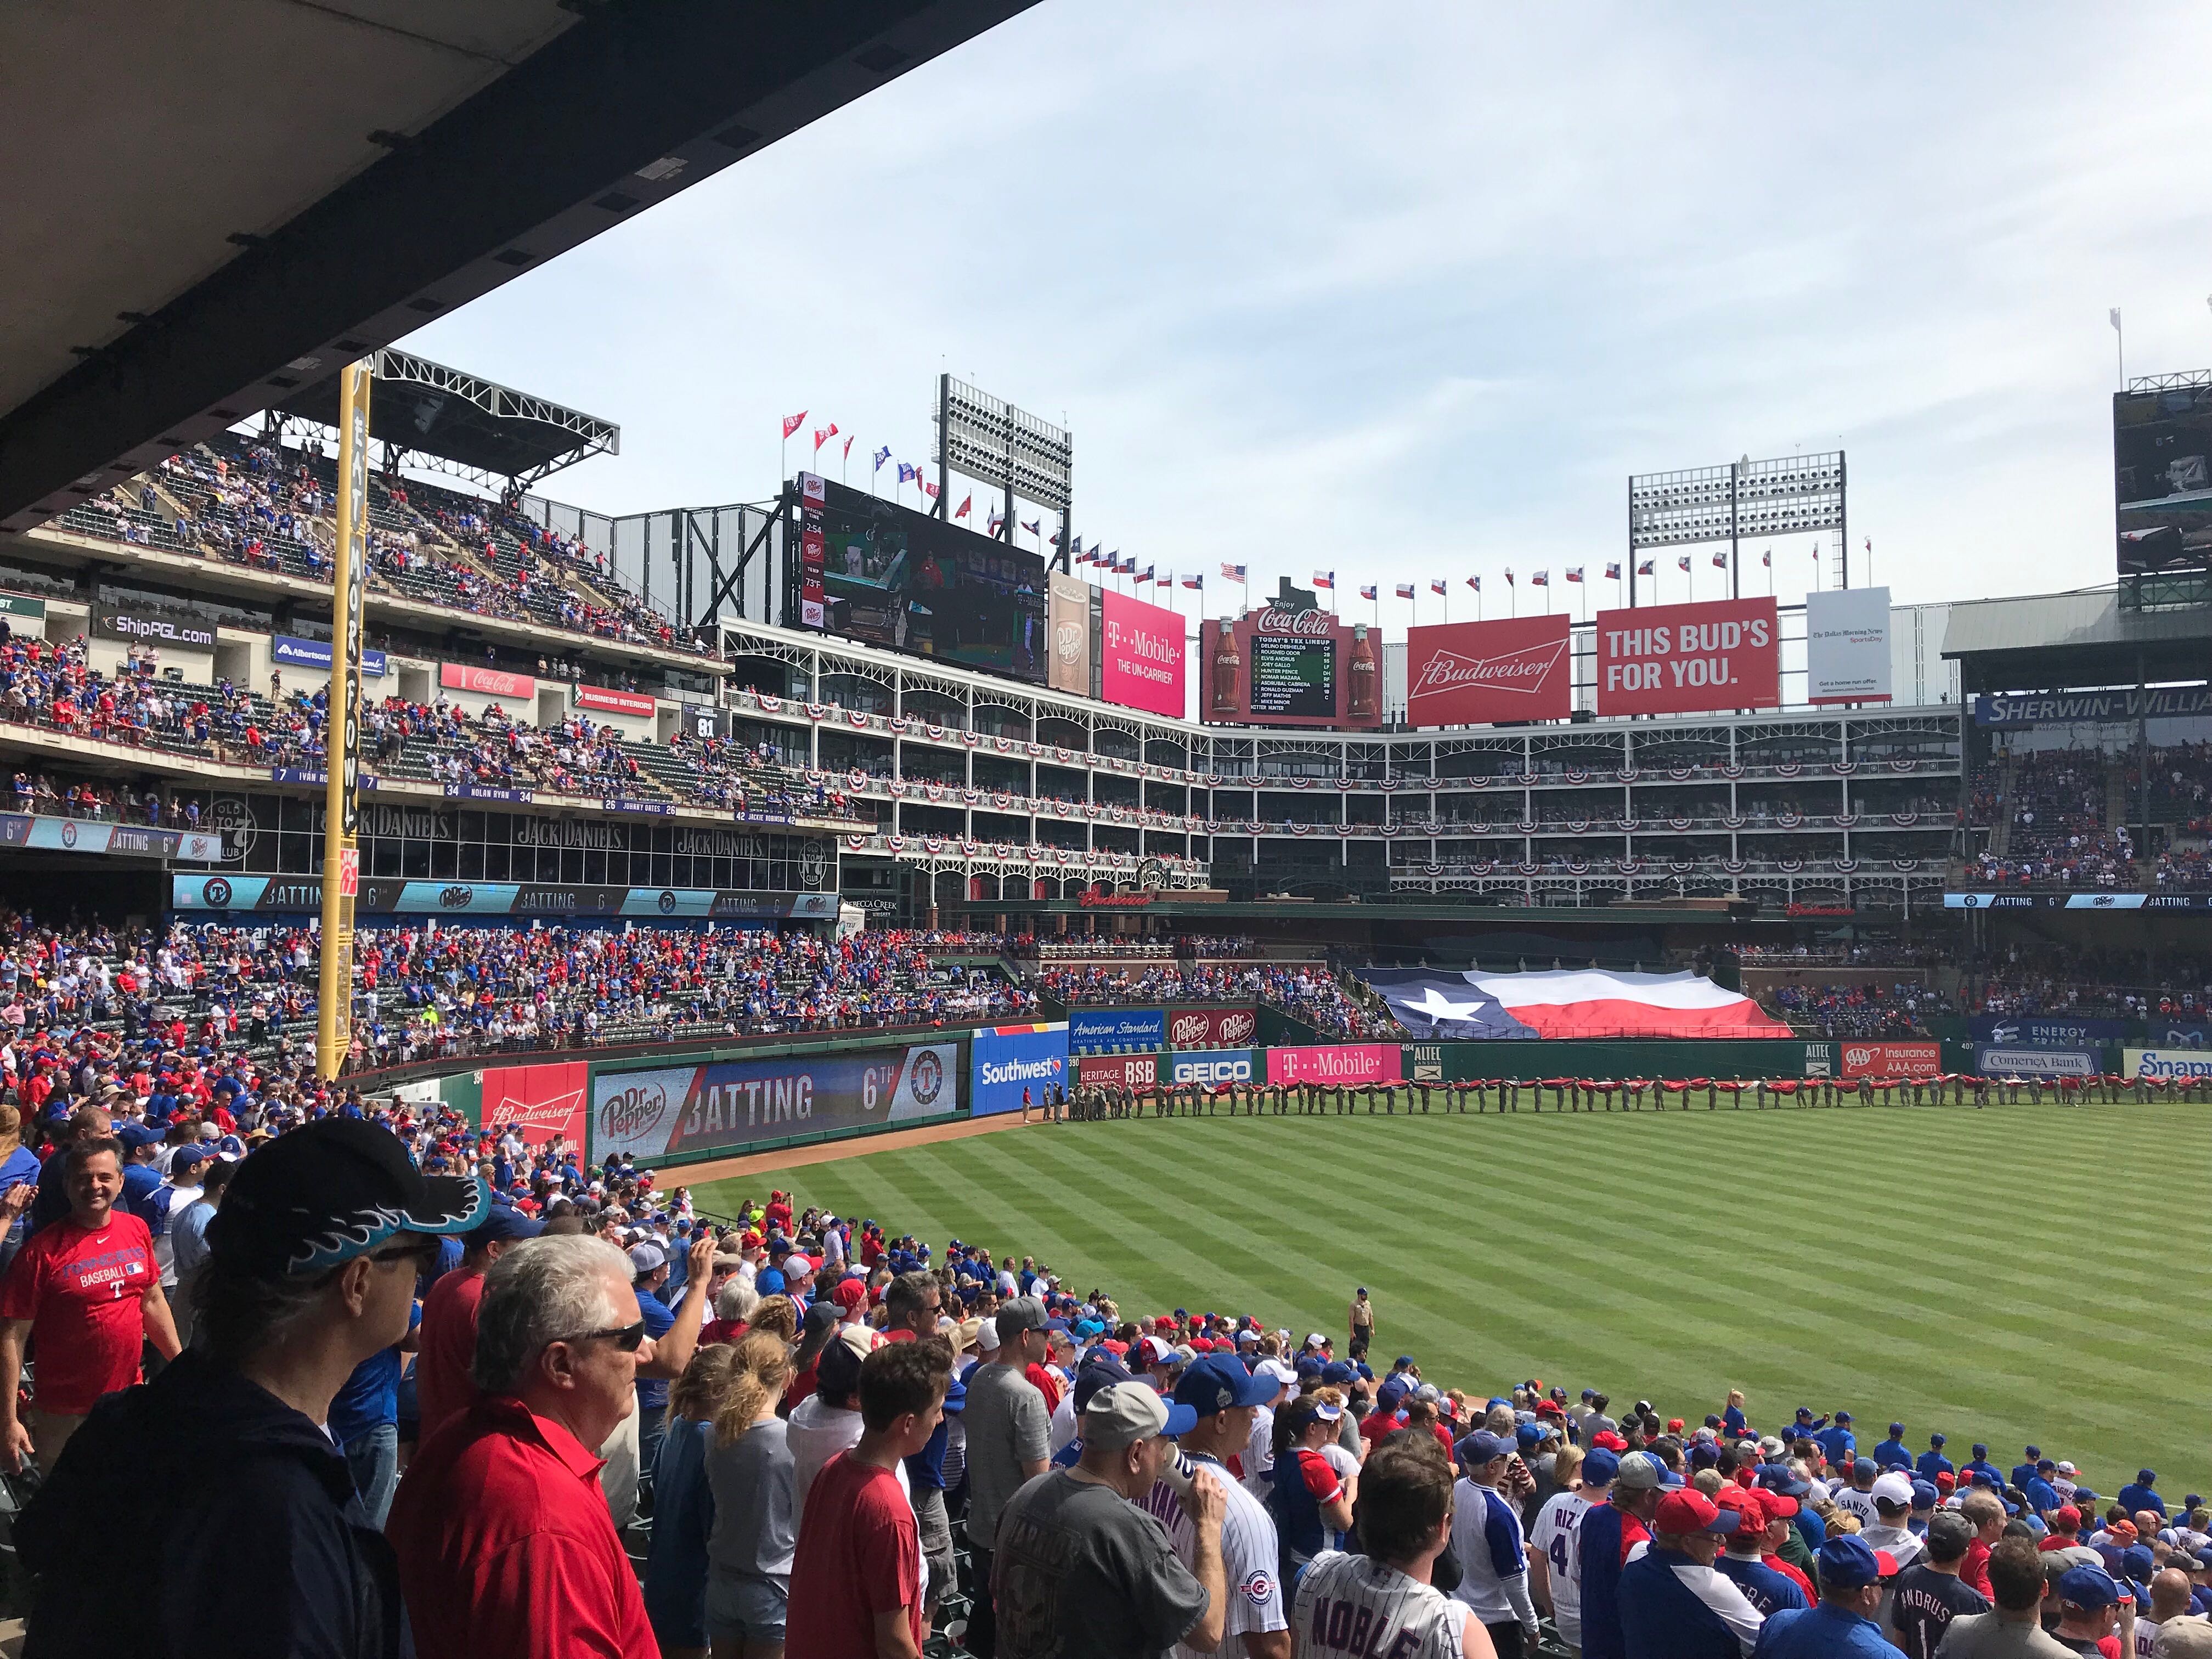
[[2049, 978], [1898, 1010]]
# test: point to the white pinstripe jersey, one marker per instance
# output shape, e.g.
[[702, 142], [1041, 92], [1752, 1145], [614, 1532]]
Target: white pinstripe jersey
[[1356, 1607], [1248, 1560]]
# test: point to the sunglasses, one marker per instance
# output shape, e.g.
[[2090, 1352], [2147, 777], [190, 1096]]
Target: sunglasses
[[625, 1337]]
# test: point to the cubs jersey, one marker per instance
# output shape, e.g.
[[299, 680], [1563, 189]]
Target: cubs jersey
[[1557, 1539], [1248, 1560], [1354, 1606]]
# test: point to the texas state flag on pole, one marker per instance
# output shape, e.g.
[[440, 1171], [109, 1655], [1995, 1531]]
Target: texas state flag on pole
[[1720, 560], [1325, 578], [1197, 581], [1475, 582], [1644, 569], [1767, 558], [1540, 579], [1612, 571], [1367, 591], [792, 423], [997, 519], [1032, 527], [1165, 579], [1405, 590], [1509, 575], [1574, 573], [1081, 557], [1682, 564], [1436, 587], [1125, 566]]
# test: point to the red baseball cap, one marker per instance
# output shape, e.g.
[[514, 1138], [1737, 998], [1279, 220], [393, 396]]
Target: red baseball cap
[[1610, 1441], [849, 1293], [1745, 1501], [1686, 1509]]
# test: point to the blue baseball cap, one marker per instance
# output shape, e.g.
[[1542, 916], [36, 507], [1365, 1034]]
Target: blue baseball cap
[[1842, 1417], [1218, 1382], [2088, 1587], [136, 1136], [1599, 1467], [1095, 1373], [1897, 1428], [1481, 1446], [1775, 1477], [1526, 1435], [1336, 1373], [768, 1282], [2137, 1562], [1980, 1450], [1924, 1494], [1849, 1562], [1393, 1389], [504, 1224]]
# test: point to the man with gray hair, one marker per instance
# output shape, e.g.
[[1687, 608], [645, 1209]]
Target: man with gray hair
[[499, 1525]]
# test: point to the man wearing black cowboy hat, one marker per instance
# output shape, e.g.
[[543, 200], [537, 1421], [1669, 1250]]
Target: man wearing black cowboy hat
[[247, 1532]]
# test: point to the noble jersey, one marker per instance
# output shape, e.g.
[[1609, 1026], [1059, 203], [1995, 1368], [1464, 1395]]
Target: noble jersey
[[83, 1290], [1248, 1560], [1355, 1606]]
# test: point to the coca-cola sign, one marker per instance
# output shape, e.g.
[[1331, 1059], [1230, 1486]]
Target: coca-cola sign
[[1300, 624], [1472, 673], [1277, 666], [1210, 1027]]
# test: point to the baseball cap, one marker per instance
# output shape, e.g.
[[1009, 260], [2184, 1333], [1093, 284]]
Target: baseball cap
[[1979, 1449], [1600, 1469], [2137, 1562], [1778, 1477], [1123, 1413], [1641, 1471], [191, 1153], [1924, 1494], [1102, 1371], [1842, 1417], [1218, 1382], [135, 1136], [1391, 1390], [1688, 1510], [1747, 1502], [2088, 1587], [1849, 1562], [1481, 1446], [1893, 1488], [1897, 1428], [1024, 1313], [1934, 1439], [503, 1224], [768, 1282], [645, 1258], [1606, 1440], [331, 1190], [1336, 1373]]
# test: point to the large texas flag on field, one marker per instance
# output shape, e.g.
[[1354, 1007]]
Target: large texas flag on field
[[1570, 1003]]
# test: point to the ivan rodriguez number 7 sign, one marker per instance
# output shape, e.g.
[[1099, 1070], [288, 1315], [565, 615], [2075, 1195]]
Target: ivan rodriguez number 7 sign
[[1689, 659]]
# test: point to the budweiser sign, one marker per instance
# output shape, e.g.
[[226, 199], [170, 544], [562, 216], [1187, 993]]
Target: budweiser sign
[[1467, 673]]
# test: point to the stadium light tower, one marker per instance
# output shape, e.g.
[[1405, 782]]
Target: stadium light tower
[[1763, 499]]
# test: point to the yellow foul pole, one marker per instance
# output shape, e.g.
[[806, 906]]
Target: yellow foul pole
[[342, 728]]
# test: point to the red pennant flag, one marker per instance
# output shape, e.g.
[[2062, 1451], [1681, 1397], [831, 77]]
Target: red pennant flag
[[823, 435], [966, 501], [792, 423]]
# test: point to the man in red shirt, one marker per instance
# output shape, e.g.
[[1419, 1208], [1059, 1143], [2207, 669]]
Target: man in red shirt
[[86, 1288], [505, 1544], [856, 1570], [443, 1389]]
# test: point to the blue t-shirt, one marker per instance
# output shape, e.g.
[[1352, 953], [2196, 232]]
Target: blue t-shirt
[[682, 1519], [140, 1183], [653, 1391], [1826, 1632], [371, 1394], [1931, 1464], [2041, 1495], [2134, 1497], [925, 1469], [1836, 1443], [1891, 1455]]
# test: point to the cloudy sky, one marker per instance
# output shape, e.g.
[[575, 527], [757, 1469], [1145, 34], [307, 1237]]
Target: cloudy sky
[[1413, 298]]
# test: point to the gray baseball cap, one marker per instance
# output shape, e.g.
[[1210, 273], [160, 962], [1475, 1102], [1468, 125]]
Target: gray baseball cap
[[1019, 1314], [1122, 1413], [1641, 1471]]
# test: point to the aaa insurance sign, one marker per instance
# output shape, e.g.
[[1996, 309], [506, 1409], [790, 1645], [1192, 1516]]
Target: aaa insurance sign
[[1689, 659], [1473, 673]]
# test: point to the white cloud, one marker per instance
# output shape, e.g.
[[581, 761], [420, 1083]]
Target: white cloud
[[1410, 290]]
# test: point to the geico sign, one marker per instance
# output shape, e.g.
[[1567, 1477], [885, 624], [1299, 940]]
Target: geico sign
[[1229, 1070]]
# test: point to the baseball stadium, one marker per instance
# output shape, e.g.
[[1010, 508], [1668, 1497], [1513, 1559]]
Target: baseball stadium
[[776, 1045]]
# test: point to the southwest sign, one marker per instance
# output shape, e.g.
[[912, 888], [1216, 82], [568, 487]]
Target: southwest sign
[[1474, 673]]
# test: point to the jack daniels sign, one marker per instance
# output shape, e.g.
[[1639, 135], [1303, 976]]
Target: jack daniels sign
[[275, 834]]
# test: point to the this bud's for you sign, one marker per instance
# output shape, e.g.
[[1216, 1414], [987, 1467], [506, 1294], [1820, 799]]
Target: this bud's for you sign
[[1689, 659]]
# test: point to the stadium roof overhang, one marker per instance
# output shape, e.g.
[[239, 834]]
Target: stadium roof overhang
[[488, 432], [212, 213], [1169, 904], [2060, 642]]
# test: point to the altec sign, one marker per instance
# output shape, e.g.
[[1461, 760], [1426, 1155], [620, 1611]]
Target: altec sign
[[1470, 673], [1689, 659]]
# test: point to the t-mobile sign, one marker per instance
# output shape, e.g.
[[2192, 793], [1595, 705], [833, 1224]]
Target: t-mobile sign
[[1689, 659], [1142, 657]]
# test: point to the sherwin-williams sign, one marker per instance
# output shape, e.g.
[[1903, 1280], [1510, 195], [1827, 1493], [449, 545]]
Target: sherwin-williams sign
[[1344, 1063]]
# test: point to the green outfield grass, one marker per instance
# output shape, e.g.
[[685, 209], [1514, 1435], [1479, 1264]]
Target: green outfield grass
[[2022, 1273]]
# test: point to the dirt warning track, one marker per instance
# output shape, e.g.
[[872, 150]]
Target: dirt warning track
[[829, 1152]]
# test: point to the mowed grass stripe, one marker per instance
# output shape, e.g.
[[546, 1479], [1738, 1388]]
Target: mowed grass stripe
[[1913, 1262]]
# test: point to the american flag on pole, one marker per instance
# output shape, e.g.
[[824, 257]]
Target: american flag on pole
[[792, 423], [1233, 573], [1367, 591], [1405, 590], [1325, 578]]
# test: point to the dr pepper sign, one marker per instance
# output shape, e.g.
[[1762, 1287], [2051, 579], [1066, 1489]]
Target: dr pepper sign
[[1689, 659]]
